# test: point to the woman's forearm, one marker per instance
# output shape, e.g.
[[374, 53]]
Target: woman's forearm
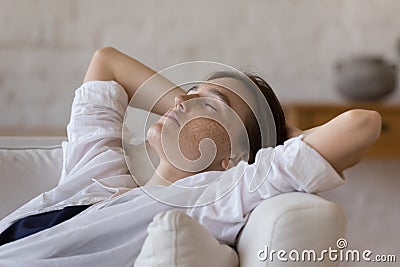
[[110, 64], [345, 139]]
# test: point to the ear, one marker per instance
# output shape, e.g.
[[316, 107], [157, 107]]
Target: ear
[[225, 163], [228, 163]]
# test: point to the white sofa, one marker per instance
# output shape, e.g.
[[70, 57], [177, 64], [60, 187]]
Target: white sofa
[[292, 221]]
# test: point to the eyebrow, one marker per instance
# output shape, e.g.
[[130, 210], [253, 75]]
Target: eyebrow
[[215, 92]]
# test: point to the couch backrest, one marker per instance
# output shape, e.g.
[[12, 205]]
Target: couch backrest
[[28, 167]]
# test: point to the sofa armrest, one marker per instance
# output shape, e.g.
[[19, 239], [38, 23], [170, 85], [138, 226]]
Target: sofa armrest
[[291, 221]]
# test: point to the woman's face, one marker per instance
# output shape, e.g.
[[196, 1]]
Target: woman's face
[[204, 127]]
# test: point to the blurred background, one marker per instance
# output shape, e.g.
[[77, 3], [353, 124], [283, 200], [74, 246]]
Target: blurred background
[[46, 46]]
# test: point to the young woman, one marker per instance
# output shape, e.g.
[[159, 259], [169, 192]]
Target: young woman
[[97, 209]]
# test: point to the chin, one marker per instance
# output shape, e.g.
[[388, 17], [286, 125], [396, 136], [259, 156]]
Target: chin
[[154, 134], [154, 138]]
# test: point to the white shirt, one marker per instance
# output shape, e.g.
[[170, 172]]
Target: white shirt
[[112, 231]]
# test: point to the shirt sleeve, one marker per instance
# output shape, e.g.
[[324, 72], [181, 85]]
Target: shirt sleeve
[[94, 147], [298, 166], [97, 111]]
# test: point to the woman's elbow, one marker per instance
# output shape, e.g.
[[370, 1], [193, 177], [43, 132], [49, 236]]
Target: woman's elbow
[[103, 55], [369, 123], [100, 65], [376, 125], [104, 51]]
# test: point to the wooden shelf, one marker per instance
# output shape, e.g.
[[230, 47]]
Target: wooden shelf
[[308, 115]]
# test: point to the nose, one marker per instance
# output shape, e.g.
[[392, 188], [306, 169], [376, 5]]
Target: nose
[[180, 101]]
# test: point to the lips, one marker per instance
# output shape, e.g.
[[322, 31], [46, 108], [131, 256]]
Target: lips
[[172, 116]]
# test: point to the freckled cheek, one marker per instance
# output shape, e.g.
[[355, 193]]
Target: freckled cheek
[[198, 129]]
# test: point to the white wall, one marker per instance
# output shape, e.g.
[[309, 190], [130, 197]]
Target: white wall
[[46, 45]]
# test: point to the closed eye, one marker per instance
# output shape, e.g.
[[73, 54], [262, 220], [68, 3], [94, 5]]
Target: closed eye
[[193, 89], [212, 107]]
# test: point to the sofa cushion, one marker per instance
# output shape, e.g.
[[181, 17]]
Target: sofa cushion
[[176, 240], [26, 171]]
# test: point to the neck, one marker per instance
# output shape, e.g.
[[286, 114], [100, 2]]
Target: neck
[[166, 174]]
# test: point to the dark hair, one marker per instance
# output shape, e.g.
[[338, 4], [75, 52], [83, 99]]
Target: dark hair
[[252, 128]]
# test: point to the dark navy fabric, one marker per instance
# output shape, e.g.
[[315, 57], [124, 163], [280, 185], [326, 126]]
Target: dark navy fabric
[[35, 223]]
